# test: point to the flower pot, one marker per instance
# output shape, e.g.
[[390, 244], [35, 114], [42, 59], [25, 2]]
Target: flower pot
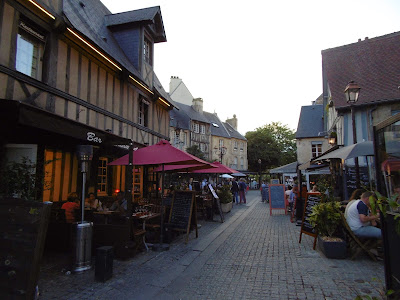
[[333, 248], [226, 207]]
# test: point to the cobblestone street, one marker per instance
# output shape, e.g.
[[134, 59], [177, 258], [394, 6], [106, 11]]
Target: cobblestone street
[[252, 255]]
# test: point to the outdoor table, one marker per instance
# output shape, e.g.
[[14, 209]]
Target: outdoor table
[[106, 214], [143, 217]]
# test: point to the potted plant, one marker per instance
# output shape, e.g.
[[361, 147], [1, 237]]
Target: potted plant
[[326, 219], [225, 198]]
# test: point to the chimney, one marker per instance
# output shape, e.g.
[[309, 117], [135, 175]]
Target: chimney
[[197, 105], [173, 83], [233, 122]]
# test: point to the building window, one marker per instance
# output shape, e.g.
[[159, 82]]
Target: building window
[[30, 48], [195, 128], [202, 129], [143, 112], [241, 146], [221, 144], [235, 145], [241, 163], [184, 139], [102, 176], [316, 149], [202, 147], [147, 52], [177, 139]]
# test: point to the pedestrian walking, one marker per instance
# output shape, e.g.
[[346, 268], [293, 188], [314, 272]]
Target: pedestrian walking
[[264, 192], [235, 191], [242, 190]]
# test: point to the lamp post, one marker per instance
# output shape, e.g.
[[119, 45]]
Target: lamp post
[[221, 151], [259, 173], [352, 91]]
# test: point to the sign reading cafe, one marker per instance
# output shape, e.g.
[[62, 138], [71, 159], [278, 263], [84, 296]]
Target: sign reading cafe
[[91, 137]]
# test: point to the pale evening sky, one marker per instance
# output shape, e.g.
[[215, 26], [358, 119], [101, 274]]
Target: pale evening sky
[[260, 60]]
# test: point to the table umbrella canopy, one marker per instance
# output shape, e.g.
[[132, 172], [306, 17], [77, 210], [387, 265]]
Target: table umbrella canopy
[[185, 168], [227, 176], [161, 153], [352, 151], [220, 169]]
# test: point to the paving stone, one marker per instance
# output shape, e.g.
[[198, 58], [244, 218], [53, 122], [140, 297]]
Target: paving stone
[[252, 255]]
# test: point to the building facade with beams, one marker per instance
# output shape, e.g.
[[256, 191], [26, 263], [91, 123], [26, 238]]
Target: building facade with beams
[[190, 125], [374, 64], [73, 73]]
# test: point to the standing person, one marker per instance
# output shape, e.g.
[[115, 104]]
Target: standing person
[[242, 191], [314, 189], [289, 200], [70, 207], [235, 191], [264, 192]]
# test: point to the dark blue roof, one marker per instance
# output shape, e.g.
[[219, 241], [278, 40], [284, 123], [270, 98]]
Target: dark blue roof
[[89, 20], [218, 129], [179, 119], [233, 132], [310, 121]]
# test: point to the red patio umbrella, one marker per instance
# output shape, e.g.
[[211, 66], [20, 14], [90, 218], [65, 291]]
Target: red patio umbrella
[[220, 169], [162, 153], [185, 168]]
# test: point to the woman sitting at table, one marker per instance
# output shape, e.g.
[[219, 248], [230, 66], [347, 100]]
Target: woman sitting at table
[[70, 206], [92, 203]]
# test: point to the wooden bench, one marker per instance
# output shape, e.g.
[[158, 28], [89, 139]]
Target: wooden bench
[[356, 244]]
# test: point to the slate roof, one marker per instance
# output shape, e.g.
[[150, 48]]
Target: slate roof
[[145, 15], [194, 115], [179, 119], [89, 20], [289, 168], [310, 121], [233, 132], [373, 63], [216, 131]]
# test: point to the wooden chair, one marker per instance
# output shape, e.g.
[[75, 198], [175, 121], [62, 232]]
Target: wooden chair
[[356, 244]]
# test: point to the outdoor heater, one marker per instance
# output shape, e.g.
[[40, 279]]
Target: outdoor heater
[[82, 231]]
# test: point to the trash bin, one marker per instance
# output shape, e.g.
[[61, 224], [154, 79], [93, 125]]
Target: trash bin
[[104, 263], [81, 246]]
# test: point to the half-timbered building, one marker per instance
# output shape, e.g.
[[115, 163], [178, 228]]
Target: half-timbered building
[[73, 73]]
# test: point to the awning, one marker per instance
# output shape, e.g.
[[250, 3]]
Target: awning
[[289, 168], [14, 113], [352, 151]]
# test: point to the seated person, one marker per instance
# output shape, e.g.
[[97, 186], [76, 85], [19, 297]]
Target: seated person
[[360, 221], [92, 203], [120, 204], [70, 206]]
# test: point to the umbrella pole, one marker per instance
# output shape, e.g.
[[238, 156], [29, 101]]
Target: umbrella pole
[[161, 246]]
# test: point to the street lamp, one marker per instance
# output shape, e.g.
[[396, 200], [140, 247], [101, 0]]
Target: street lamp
[[221, 151], [259, 173], [352, 91]]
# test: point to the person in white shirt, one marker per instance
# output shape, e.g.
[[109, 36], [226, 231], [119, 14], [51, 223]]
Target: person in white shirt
[[360, 221]]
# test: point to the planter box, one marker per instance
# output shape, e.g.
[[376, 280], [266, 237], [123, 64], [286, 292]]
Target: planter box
[[332, 249], [226, 207]]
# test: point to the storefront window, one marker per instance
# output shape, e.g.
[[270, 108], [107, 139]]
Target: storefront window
[[102, 177], [387, 139]]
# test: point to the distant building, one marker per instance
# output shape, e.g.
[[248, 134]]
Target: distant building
[[190, 125]]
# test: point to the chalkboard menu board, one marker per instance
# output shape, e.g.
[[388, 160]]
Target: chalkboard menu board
[[181, 216], [351, 179], [217, 201], [276, 197], [312, 199]]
